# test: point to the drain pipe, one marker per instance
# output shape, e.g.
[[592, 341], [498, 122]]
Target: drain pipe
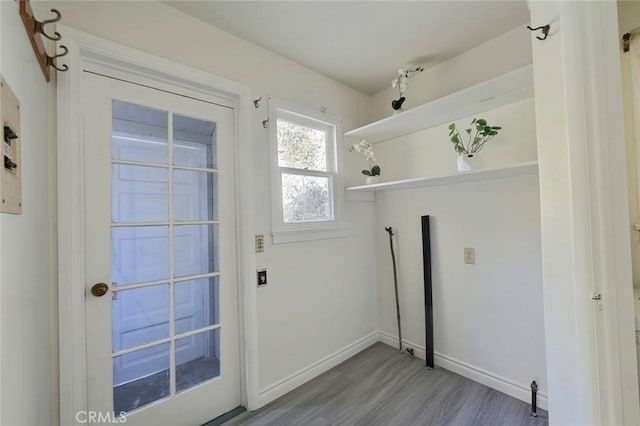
[[534, 399]]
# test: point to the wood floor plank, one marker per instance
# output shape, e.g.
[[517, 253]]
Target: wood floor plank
[[380, 386]]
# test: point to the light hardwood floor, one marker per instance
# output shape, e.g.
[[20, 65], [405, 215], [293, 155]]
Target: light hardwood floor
[[379, 386]]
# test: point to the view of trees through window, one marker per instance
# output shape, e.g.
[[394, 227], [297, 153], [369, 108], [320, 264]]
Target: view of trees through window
[[305, 195]]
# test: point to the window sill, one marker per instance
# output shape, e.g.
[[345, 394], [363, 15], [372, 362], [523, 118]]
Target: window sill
[[298, 235]]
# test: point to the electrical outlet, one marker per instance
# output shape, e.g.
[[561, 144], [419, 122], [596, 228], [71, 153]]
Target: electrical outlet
[[262, 277], [470, 256], [259, 243]]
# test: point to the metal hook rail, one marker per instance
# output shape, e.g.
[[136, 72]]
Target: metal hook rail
[[36, 31]]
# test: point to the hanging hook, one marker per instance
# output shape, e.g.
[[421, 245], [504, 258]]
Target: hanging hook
[[38, 26], [545, 31], [265, 123], [256, 102], [626, 42], [51, 60]]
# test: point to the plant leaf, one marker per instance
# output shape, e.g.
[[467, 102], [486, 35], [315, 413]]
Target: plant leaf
[[366, 172]]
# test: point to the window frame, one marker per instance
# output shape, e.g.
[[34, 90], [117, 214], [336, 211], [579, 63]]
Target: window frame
[[284, 232]]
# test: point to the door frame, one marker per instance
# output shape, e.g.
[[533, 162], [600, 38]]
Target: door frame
[[593, 383], [106, 57]]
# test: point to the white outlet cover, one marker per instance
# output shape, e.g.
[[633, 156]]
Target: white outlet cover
[[470, 256]]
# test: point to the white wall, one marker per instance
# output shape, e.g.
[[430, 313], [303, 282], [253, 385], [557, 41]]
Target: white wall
[[629, 19], [507, 52], [26, 290], [488, 317], [320, 297], [430, 152]]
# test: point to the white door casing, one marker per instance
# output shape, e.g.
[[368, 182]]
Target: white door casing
[[92, 53], [585, 240]]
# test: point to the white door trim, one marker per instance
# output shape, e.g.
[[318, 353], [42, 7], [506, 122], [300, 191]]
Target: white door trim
[[87, 51], [601, 388], [596, 104]]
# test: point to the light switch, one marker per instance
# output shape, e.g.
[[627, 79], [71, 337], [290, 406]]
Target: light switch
[[259, 243], [10, 166], [470, 256]]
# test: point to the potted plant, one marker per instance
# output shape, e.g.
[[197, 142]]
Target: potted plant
[[366, 149], [401, 83], [476, 140]]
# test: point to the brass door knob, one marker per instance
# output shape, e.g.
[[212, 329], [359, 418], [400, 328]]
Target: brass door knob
[[99, 289]]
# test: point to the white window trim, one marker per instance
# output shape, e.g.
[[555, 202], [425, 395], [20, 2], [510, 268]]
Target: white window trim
[[282, 232]]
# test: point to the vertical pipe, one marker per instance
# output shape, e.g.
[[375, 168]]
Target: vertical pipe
[[428, 298], [534, 399], [395, 285]]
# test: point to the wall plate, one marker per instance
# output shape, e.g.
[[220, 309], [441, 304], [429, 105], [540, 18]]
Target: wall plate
[[262, 277], [10, 155], [470, 256]]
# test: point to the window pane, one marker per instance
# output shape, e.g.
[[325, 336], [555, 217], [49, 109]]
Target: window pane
[[140, 316], [197, 359], [195, 195], [194, 142], [140, 194], [196, 304], [140, 378], [301, 147], [306, 198], [139, 254], [195, 249], [139, 133]]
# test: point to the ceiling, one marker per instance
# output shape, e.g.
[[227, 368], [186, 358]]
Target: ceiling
[[362, 43]]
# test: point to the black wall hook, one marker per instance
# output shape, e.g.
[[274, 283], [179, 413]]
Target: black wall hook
[[545, 31]]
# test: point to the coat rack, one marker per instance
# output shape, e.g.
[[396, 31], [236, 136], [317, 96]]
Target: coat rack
[[36, 30]]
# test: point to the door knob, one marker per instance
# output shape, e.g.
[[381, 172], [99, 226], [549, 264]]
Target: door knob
[[99, 289]]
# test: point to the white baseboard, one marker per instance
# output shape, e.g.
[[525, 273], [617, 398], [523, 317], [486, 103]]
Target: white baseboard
[[494, 381], [281, 387]]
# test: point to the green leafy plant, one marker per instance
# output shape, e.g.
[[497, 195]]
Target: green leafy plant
[[483, 134]]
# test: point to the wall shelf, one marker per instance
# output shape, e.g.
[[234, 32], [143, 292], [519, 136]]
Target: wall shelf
[[529, 168], [503, 90]]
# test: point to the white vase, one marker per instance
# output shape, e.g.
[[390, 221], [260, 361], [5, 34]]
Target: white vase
[[372, 179], [467, 162]]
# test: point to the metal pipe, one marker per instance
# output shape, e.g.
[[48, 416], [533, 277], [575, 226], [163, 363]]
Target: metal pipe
[[534, 399], [395, 284]]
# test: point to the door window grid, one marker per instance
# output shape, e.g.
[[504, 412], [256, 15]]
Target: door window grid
[[172, 280]]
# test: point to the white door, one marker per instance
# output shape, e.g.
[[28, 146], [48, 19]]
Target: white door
[[162, 343]]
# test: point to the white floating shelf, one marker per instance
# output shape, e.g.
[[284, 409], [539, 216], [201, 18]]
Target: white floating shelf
[[506, 89], [530, 168]]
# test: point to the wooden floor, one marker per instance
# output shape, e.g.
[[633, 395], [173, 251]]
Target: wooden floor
[[381, 387]]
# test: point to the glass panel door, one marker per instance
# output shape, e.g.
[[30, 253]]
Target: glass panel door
[[164, 254], [162, 343]]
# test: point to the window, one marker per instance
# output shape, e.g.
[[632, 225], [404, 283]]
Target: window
[[307, 200]]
